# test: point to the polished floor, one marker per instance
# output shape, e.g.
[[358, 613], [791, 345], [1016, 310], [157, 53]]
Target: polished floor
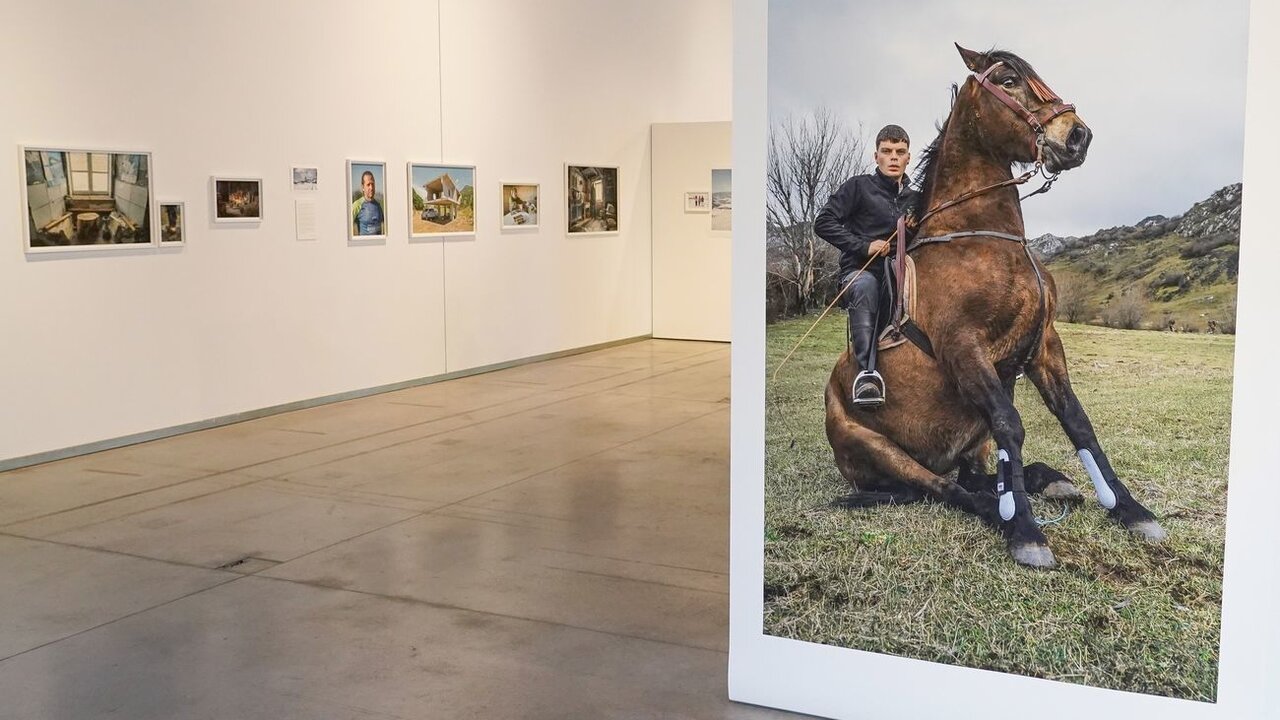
[[547, 541]]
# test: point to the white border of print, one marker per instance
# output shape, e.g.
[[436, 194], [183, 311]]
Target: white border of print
[[564, 178], [352, 238], [689, 196], [182, 223], [475, 199], [842, 683], [502, 187], [213, 200], [111, 247]]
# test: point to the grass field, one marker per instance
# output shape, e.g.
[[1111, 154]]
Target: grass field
[[928, 582]]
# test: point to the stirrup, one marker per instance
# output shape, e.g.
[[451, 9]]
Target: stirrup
[[868, 389]]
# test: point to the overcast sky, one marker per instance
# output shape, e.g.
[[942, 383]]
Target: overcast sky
[[1160, 82]]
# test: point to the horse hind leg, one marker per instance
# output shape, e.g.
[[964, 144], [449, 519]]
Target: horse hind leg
[[882, 473], [1040, 479], [1051, 483]]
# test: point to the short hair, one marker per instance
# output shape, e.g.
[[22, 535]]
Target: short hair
[[367, 174], [892, 133]]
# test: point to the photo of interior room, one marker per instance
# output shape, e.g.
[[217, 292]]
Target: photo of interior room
[[83, 197]]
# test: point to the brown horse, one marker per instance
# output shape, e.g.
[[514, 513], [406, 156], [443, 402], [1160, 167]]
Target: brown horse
[[985, 307]]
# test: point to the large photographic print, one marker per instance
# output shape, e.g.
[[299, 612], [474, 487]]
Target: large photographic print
[[1034, 481], [86, 199]]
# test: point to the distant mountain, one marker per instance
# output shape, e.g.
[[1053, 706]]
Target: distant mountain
[[1049, 245], [1181, 269]]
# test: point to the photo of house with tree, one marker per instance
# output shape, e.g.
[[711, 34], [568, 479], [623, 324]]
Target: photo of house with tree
[[442, 199]]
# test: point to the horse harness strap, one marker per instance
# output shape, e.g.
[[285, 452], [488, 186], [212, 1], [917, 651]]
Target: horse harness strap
[[917, 335], [962, 234], [1042, 92]]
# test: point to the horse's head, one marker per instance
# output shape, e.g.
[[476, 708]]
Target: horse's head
[[1023, 118]]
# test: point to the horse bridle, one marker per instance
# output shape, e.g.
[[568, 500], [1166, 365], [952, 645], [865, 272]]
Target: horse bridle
[[1036, 120]]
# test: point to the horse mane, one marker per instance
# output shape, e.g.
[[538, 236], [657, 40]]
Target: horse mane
[[926, 169]]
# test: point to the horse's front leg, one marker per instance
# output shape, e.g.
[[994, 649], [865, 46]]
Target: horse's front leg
[[980, 385], [1048, 371]]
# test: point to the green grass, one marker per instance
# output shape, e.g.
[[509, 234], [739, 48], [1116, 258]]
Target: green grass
[[928, 582]]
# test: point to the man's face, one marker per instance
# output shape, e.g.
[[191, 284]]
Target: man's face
[[892, 158], [367, 184]]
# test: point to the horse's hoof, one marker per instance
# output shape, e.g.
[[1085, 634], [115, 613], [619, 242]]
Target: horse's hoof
[[1063, 490], [1149, 530], [1033, 555]]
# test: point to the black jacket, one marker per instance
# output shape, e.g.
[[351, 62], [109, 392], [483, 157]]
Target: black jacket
[[865, 208]]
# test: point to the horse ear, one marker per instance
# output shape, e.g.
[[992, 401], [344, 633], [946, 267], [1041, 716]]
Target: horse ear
[[976, 61]]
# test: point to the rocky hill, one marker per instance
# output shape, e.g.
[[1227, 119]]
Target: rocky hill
[[1160, 269]]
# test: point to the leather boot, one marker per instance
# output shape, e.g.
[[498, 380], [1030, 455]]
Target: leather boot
[[868, 386]]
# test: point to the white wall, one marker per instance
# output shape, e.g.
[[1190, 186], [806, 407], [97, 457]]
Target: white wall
[[691, 264], [104, 345]]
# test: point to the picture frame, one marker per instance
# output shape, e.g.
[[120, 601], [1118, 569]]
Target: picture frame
[[441, 200], [367, 217], [520, 204], [236, 200], [304, 178], [591, 200], [172, 225], [698, 201], [722, 201], [84, 199]]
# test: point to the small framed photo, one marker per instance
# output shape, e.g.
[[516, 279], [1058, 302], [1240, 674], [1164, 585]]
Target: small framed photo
[[519, 206], [722, 200], [237, 200], [697, 202], [366, 191], [591, 199], [86, 199], [442, 200], [173, 223], [305, 179]]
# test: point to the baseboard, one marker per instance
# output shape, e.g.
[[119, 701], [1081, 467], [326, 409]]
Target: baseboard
[[111, 444]]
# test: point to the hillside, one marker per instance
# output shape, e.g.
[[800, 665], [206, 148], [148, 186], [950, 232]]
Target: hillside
[[1160, 269]]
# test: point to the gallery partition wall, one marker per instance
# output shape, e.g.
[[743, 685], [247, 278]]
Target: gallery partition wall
[[312, 263]]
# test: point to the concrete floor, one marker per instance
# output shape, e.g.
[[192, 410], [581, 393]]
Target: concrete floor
[[547, 541]]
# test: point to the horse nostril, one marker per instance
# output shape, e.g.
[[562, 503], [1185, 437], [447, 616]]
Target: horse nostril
[[1078, 139]]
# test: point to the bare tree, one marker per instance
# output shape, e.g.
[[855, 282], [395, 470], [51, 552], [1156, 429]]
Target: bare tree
[[1126, 311], [1074, 298], [809, 158]]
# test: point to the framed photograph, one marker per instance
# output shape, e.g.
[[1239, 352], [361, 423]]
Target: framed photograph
[[237, 200], [173, 223], [697, 202], [442, 200], [305, 179], [86, 199], [366, 192], [591, 199], [722, 200], [519, 205], [1056, 542]]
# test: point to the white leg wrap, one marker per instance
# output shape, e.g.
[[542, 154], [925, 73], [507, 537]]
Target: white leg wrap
[[1106, 496], [1007, 508]]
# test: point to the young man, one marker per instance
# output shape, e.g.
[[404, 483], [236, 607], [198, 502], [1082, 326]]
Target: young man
[[366, 212], [858, 219]]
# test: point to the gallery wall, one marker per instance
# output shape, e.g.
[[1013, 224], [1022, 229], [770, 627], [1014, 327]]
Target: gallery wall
[[103, 344], [691, 262]]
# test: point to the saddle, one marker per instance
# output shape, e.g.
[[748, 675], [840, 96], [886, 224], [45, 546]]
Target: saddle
[[901, 300]]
